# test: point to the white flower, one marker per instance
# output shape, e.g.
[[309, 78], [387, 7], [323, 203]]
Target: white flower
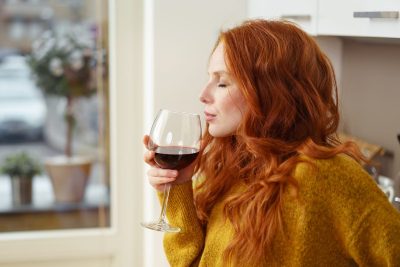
[[39, 53], [76, 60], [64, 44], [56, 67], [86, 41], [82, 36], [36, 49], [45, 48], [43, 45]]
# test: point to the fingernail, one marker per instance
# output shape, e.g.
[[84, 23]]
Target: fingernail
[[174, 173]]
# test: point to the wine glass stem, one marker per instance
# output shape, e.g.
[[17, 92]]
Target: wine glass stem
[[165, 203]]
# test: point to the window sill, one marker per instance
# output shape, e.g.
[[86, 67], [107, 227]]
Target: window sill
[[45, 214]]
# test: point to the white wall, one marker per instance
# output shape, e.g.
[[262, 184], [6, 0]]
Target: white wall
[[184, 33], [333, 47], [371, 95], [368, 74]]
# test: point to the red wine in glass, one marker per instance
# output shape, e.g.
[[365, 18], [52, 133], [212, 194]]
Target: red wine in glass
[[175, 139], [175, 157]]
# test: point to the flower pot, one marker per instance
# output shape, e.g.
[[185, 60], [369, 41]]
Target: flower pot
[[69, 177], [21, 191]]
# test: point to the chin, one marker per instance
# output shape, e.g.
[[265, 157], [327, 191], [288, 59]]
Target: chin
[[219, 132]]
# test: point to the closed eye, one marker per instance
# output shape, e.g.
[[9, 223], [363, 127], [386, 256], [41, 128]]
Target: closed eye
[[222, 85]]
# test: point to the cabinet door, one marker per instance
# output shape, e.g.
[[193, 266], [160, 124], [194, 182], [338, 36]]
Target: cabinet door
[[366, 18], [302, 12]]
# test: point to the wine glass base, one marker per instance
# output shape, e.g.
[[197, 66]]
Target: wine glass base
[[161, 227]]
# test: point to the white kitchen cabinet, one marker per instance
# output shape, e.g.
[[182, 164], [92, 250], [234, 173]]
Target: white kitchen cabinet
[[302, 12], [362, 18]]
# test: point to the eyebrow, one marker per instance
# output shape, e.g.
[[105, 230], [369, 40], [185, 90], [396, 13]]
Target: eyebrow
[[220, 73]]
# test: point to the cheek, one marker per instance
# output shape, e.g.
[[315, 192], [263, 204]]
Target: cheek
[[227, 104], [233, 109], [236, 103], [233, 102]]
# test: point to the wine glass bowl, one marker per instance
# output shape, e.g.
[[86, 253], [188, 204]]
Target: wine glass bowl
[[174, 157], [175, 139]]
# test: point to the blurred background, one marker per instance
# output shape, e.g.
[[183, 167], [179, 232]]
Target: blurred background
[[44, 46], [80, 82]]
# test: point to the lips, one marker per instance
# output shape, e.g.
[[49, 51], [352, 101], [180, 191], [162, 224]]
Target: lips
[[209, 116]]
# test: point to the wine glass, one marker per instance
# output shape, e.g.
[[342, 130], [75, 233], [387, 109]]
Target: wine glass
[[175, 139]]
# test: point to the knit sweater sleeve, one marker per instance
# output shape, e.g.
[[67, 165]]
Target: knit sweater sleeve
[[376, 240], [372, 222], [183, 249], [375, 231]]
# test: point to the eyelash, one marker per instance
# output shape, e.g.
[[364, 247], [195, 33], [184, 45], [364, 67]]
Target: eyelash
[[222, 85]]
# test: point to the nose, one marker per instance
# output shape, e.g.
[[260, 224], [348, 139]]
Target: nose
[[205, 96]]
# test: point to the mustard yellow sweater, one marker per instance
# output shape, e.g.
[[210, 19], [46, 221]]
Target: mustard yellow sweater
[[343, 219]]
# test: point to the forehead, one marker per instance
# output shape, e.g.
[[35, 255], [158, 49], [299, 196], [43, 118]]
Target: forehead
[[217, 60]]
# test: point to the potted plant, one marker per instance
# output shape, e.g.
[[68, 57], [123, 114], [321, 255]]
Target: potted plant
[[21, 168], [63, 66]]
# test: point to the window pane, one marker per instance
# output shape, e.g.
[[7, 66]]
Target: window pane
[[54, 139]]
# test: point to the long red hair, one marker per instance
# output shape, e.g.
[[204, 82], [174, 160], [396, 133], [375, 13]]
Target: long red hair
[[290, 88]]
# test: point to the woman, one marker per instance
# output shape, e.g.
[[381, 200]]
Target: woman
[[275, 186]]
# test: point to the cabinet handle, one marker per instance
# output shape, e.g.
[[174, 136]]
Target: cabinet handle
[[377, 15], [296, 17]]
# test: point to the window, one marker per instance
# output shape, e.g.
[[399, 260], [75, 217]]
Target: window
[[54, 139]]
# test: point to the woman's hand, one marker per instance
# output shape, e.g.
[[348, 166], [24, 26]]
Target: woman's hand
[[158, 177]]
